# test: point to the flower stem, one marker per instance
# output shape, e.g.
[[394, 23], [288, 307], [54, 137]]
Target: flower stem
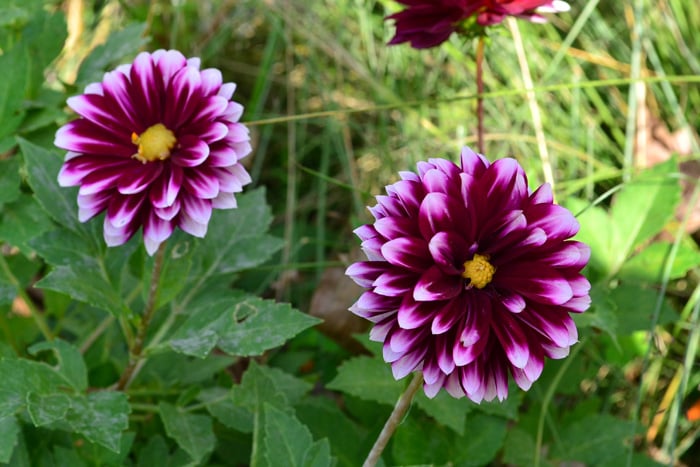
[[394, 420], [479, 94], [37, 316], [136, 350]]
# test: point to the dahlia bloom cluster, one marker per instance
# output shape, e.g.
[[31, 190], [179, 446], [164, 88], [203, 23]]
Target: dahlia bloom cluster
[[428, 23], [158, 144], [471, 276]]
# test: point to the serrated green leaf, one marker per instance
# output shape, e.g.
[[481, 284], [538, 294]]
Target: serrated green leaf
[[507, 408], [411, 444], [240, 324], [262, 384], [642, 208], [586, 442], [196, 344], [63, 247], [261, 325], [483, 438], [175, 270], [192, 432], [47, 408], [119, 46], [519, 448], [220, 405], [23, 220], [325, 419], [70, 361], [369, 379], [153, 453], [85, 281], [42, 169], [9, 431], [9, 180], [27, 377], [288, 442], [445, 409], [648, 266], [231, 232], [101, 417]]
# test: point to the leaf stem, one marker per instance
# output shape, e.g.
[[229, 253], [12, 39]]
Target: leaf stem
[[479, 94], [37, 316], [136, 351], [394, 420]]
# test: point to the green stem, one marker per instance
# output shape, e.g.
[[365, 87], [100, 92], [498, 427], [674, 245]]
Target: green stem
[[402, 406], [37, 316], [136, 351]]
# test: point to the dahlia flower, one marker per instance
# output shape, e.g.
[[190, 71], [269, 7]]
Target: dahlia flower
[[427, 23], [158, 145], [470, 276]]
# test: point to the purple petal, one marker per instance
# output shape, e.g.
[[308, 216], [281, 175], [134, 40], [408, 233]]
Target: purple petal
[[122, 210], [140, 177], [364, 273], [394, 283], [165, 189], [546, 286], [448, 315], [556, 221], [448, 251], [91, 205], [197, 209], [395, 227], [434, 285], [413, 314], [408, 252], [201, 183], [192, 227], [513, 339], [473, 163], [211, 81], [402, 340], [169, 212], [408, 363], [224, 201], [438, 213], [191, 153]]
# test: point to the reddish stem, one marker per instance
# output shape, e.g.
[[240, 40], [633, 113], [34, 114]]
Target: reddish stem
[[479, 98]]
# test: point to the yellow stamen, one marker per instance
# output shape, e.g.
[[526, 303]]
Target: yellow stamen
[[154, 144], [479, 271]]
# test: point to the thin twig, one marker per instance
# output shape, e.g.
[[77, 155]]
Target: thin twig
[[479, 94], [394, 420], [136, 352]]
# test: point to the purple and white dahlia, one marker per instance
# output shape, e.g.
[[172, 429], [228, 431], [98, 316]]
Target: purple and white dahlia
[[471, 276], [429, 23], [158, 144]]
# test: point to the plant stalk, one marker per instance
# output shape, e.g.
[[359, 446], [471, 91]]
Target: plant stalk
[[394, 420], [136, 352]]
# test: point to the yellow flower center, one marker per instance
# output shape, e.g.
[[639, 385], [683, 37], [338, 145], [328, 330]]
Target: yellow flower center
[[479, 271], [154, 144]]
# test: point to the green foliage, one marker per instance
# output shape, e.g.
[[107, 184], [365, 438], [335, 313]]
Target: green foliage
[[226, 375], [192, 432]]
